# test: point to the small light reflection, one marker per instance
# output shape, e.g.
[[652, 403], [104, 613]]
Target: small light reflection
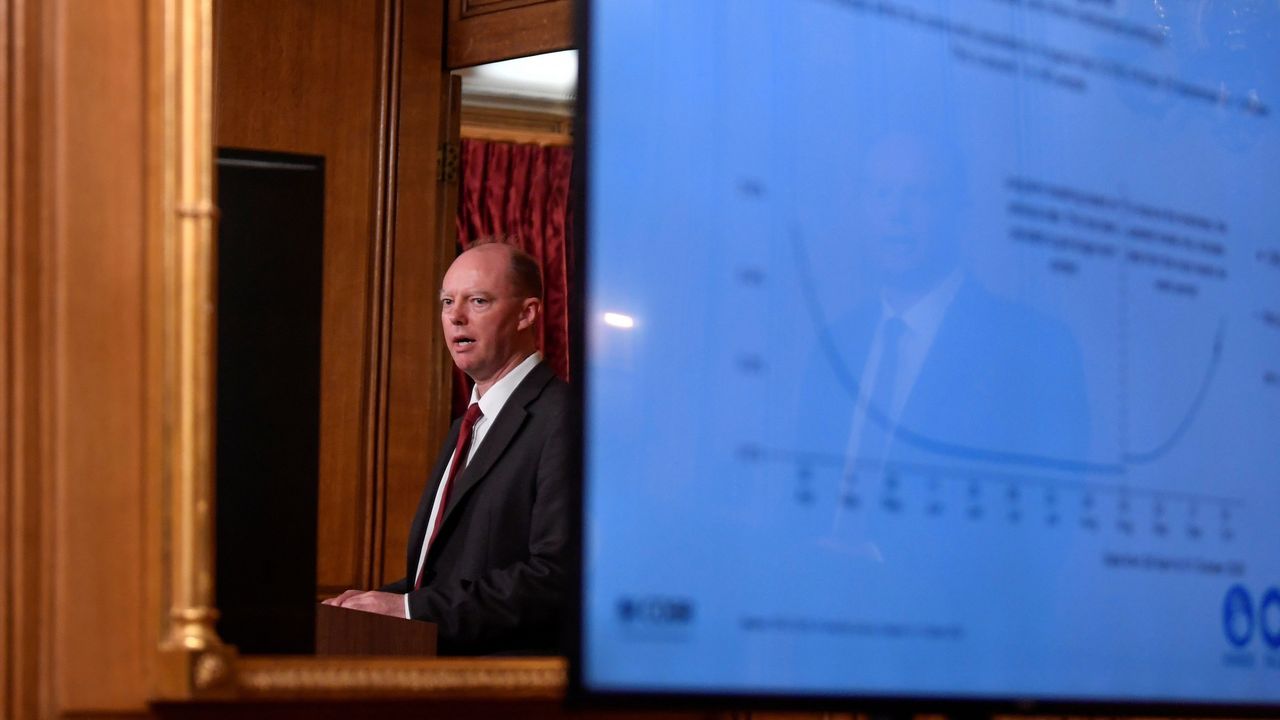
[[619, 320]]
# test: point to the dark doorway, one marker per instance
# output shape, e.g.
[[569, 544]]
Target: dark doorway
[[270, 256]]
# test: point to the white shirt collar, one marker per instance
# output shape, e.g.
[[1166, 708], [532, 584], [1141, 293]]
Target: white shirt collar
[[925, 315], [496, 397]]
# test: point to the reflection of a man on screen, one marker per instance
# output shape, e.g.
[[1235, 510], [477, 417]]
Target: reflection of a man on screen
[[917, 263], [942, 371]]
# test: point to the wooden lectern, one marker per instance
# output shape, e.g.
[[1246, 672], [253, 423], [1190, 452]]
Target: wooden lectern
[[340, 631]]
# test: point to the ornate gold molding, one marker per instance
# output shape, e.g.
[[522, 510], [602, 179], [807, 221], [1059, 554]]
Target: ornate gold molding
[[194, 658], [493, 679]]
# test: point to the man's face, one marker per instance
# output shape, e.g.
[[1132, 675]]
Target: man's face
[[481, 315], [903, 209]]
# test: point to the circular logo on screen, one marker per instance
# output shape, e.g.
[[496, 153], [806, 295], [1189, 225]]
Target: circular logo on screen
[[1269, 618], [1237, 616]]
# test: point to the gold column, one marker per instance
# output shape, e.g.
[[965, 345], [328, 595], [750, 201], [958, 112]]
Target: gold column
[[193, 659]]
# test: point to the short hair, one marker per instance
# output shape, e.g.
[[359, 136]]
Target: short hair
[[524, 272]]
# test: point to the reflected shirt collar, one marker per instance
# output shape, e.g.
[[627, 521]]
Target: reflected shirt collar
[[925, 315]]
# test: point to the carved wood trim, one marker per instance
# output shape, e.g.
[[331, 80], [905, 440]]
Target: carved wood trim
[[451, 134], [380, 300], [522, 137], [419, 368], [484, 31], [471, 8], [390, 678], [26, 191], [517, 125]]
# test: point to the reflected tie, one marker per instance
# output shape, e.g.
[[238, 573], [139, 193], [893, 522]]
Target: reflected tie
[[879, 421], [459, 460]]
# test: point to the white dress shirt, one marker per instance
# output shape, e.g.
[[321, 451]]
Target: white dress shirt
[[491, 404], [921, 320]]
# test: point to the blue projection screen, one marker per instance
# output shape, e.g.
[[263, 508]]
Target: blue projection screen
[[932, 350]]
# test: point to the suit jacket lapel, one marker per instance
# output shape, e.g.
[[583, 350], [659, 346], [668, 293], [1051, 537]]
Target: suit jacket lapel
[[418, 532], [936, 374], [505, 427]]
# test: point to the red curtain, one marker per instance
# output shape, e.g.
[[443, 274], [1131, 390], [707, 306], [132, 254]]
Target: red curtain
[[521, 192]]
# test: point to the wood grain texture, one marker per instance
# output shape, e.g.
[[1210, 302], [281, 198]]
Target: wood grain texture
[[26, 617], [153, 478], [418, 364], [300, 76], [7, 406], [344, 632], [99, 374], [484, 31], [471, 8]]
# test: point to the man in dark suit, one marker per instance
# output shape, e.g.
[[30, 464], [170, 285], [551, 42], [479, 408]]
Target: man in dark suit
[[487, 549]]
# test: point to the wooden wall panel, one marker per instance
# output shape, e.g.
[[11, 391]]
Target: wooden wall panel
[[418, 367], [484, 31], [7, 407], [306, 77], [24, 613], [99, 375], [360, 83], [79, 625]]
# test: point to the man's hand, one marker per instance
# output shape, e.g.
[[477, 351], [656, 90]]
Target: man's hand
[[337, 601], [373, 601]]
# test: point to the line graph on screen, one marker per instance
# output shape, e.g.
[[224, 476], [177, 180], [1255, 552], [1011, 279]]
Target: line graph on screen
[[990, 484]]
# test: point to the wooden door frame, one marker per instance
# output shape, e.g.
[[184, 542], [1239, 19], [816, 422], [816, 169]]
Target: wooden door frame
[[485, 31]]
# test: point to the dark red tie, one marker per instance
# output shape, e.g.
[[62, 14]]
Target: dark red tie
[[459, 459]]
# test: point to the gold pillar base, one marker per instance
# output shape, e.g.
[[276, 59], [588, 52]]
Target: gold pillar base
[[186, 673]]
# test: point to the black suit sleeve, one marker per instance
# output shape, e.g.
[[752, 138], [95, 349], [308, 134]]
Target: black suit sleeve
[[400, 586], [518, 605]]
